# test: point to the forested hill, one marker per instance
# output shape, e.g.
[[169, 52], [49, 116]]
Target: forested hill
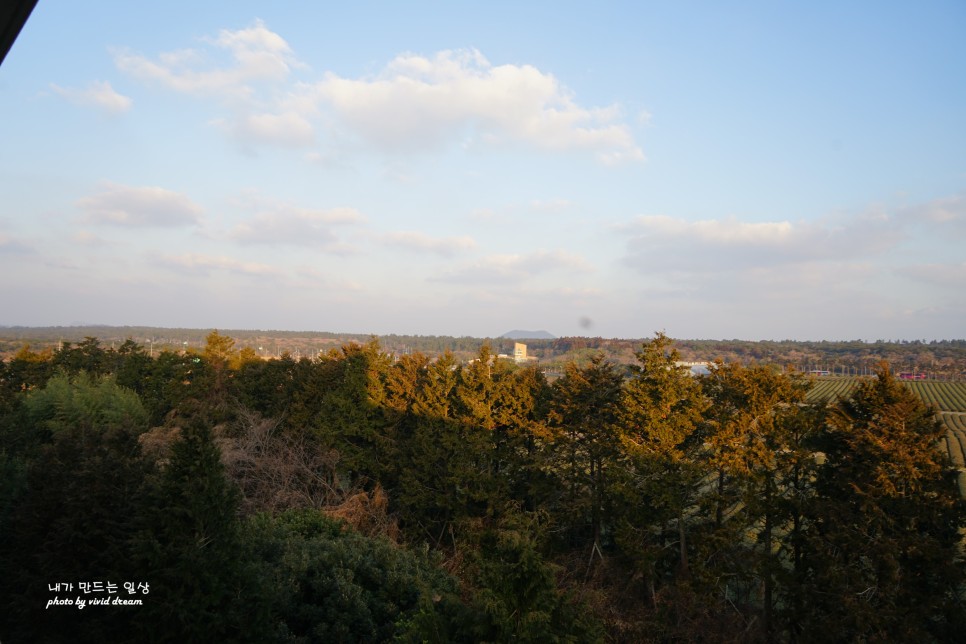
[[943, 359], [366, 496]]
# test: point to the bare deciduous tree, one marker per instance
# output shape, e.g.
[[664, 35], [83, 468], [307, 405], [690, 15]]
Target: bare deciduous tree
[[277, 471]]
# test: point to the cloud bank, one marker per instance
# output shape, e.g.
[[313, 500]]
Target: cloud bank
[[200, 264], [139, 207], [506, 269], [230, 68], [658, 243], [282, 224], [423, 243], [415, 103]]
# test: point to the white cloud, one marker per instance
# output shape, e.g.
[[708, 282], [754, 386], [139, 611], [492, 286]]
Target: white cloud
[[203, 264], [285, 224], [136, 207], [718, 232], [98, 94], [831, 300], [418, 102], [943, 275], [945, 214], [420, 242], [663, 244], [414, 103], [515, 268], [255, 55], [852, 275]]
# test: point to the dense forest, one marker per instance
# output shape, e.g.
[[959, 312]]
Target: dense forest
[[363, 495]]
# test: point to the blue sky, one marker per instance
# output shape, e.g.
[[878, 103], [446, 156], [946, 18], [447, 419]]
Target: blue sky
[[753, 170]]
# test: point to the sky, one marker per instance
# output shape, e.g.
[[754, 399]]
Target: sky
[[749, 170]]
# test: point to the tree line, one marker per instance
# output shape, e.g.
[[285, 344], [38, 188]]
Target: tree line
[[939, 359], [361, 496]]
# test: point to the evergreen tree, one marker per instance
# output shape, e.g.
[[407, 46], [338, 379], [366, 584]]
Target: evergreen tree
[[75, 511], [87, 356], [131, 365], [269, 386], [172, 380], [434, 393], [219, 354], [884, 560], [474, 399], [433, 458], [27, 370], [305, 408], [328, 583], [401, 387], [759, 459], [352, 417], [662, 407], [587, 444], [520, 406], [190, 549], [219, 349], [516, 587]]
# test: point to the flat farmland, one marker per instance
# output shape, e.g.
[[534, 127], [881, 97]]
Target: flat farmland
[[945, 396], [955, 423]]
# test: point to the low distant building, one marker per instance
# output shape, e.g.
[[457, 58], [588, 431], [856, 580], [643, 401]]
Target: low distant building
[[912, 375], [520, 353], [695, 368]]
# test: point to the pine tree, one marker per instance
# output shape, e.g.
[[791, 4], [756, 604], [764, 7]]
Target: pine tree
[[434, 459], [520, 401], [884, 560], [87, 356], [352, 418], [758, 457], [662, 408], [191, 551], [74, 513], [474, 400], [218, 355], [268, 386], [131, 365], [434, 392], [587, 442], [27, 370]]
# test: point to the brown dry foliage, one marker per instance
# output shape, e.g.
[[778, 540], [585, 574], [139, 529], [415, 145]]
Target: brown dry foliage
[[276, 471], [367, 512], [156, 443]]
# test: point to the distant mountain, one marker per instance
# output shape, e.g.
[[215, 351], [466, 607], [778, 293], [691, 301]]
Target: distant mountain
[[528, 335]]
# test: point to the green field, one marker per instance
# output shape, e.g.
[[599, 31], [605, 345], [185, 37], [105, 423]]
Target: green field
[[943, 395], [832, 388]]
